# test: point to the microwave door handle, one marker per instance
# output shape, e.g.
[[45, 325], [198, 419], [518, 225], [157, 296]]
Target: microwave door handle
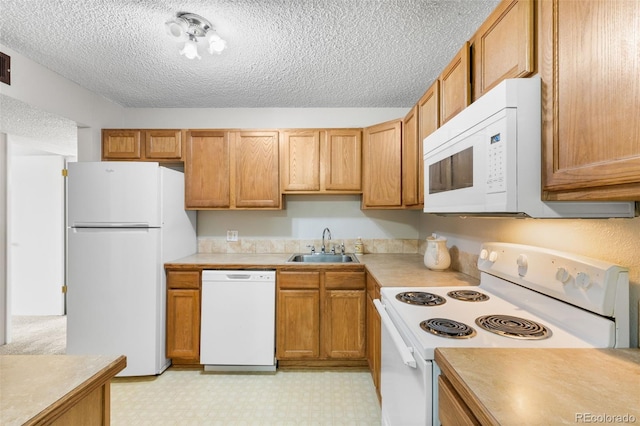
[[406, 352]]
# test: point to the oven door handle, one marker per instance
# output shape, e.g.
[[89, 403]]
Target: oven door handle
[[406, 352]]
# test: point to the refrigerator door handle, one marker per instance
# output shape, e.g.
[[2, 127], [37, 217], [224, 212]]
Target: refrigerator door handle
[[110, 225]]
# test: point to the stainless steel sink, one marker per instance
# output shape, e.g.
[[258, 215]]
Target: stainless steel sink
[[323, 258]]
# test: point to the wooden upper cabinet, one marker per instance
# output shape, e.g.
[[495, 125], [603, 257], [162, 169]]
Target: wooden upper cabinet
[[589, 60], [163, 144], [341, 160], [231, 170], [411, 159], [382, 165], [121, 144], [504, 46], [300, 160], [256, 178], [455, 85], [142, 145], [207, 169], [321, 161], [429, 111]]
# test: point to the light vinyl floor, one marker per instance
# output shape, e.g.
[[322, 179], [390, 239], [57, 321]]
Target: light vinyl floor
[[194, 397]]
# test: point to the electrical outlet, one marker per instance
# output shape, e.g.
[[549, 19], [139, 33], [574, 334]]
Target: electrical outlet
[[232, 235]]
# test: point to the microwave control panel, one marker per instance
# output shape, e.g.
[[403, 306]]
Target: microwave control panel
[[496, 170]]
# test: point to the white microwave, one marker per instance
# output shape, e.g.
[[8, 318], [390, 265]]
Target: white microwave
[[487, 161]]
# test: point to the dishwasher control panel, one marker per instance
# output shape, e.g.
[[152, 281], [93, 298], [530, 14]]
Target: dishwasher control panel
[[248, 275]]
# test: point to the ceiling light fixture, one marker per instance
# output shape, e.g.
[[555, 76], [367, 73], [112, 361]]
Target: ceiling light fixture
[[188, 28]]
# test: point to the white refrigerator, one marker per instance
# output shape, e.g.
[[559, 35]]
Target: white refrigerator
[[125, 220]]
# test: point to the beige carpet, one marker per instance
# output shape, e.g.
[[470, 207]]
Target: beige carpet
[[37, 335]]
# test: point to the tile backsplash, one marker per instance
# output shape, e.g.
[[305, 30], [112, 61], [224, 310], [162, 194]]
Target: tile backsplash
[[274, 245]]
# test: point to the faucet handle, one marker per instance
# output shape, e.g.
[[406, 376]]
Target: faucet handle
[[313, 248]]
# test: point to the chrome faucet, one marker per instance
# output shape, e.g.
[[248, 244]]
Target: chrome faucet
[[322, 249]]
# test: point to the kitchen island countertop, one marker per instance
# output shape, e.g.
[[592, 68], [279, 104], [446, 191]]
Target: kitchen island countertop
[[546, 386], [390, 270], [40, 389]]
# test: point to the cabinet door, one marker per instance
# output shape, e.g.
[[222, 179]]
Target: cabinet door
[[256, 169], [300, 160], [344, 324], [382, 162], [455, 93], [373, 332], [183, 324], [589, 64], [121, 144], [344, 316], [342, 160], [503, 47], [411, 159], [298, 324], [207, 169], [428, 122], [163, 144]]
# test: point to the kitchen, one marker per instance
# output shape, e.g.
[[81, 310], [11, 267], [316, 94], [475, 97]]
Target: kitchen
[[616, 238]]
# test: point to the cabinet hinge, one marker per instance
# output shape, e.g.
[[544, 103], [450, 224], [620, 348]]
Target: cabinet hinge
[[64, 288], [65, 172]]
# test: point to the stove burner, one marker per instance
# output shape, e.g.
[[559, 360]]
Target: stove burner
[[468, 295], [420, 298], [447, 328], [518, 328]]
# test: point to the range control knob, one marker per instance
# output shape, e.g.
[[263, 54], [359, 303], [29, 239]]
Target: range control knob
[[562, 275], [522, 261], [583, 280], [484, 254], [493, 256], [523, 264]]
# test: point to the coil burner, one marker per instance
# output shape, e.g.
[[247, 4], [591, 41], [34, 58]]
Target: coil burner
[[468, 295], [447, 328], [514, 327], [420, 298]]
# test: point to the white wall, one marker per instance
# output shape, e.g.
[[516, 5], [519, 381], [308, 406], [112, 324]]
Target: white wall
[[3, 236], [305, 216], [613, 240]]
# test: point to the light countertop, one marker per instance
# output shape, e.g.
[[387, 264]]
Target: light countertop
[[546, 386], [34, 387], [390, 270]]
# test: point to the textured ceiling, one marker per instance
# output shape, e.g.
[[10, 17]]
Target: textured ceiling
[[281, 53]]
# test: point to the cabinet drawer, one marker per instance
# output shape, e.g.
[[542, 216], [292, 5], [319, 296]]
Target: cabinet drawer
[[344, 280], [183, 279], [373, 288], [452, 410], [298, 280]]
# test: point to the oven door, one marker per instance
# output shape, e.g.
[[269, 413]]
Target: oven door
[[405, 378]]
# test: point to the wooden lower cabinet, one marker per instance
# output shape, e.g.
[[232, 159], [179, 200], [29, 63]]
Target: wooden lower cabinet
[[298, 329], [183, 317], [452, 410], [373, 332], [320, 318]]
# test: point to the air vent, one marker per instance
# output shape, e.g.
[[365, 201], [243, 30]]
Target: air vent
[[5, 68]]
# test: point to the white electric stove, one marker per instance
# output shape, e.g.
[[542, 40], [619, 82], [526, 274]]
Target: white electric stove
[[528, 297]]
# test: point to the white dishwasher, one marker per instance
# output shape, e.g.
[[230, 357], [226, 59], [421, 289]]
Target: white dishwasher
[[237, 330]]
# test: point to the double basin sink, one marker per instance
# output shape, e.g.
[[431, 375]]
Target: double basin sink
[[323, 258]]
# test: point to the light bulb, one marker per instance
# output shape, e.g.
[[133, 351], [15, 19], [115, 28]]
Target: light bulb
[[177, 28], [190, 49], [216, 44]]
